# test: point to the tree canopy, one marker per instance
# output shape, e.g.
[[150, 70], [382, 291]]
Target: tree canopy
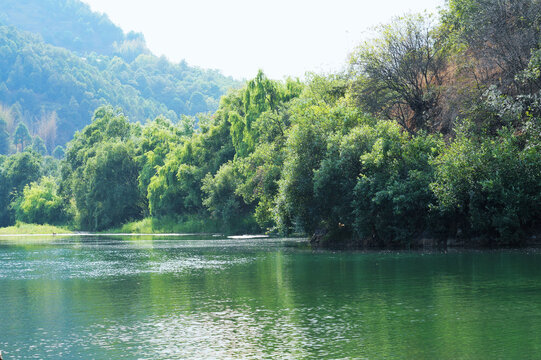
[[408, 146]]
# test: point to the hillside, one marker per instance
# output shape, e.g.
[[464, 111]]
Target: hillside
[[70, 24], [75, 64]]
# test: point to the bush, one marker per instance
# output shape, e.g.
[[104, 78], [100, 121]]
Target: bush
[[491, 186], [335, 180], [40, 204], [223, 202], [392, 196]]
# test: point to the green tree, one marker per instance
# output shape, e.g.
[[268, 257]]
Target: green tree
[[58, 152], [392, 197], [335, 180], [257, 110], [490, 186], [4, 138], [176, 187], [221, 198], [38, 145], [40, 203], [106, 194], [258, 176], [100, 172], [16, 172], [158, 138], [21, 136], [296, 206]]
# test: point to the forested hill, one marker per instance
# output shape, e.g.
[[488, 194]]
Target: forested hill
[[54, 90], [70, 24]]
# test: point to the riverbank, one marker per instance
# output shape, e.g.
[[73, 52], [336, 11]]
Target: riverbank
[[34, 229], [425, 240], [319, 240], [188, 224], [158, 225], [152, 225]]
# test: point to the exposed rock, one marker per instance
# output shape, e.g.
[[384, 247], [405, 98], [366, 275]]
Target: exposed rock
[[318, 236]]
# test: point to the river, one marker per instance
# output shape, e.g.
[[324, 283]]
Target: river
[[203, 297]]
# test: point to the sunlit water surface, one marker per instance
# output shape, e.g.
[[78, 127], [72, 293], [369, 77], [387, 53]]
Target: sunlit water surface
[[174, 298]]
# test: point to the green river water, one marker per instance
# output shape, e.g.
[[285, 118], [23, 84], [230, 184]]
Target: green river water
[[198, 298]]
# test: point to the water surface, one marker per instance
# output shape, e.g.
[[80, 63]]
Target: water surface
[[175, 298]]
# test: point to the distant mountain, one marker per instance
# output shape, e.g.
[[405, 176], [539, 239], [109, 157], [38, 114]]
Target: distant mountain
[[66, 23], [77, 60]]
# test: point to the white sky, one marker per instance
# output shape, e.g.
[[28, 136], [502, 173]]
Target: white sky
[[238, 37]]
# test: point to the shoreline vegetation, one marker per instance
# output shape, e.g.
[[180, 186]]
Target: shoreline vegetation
[[171, 226], [432, 137], [192, 225], [34, 229], [196, 227]]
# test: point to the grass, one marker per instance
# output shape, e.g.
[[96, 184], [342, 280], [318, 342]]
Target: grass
[[191, 224], [167, 225], [32, 229], [185, 224]]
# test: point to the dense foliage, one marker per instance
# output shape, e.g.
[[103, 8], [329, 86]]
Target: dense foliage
[[40, 203], [59, 61], [16, 172], [69, 24], [401, 150], [55, 91]]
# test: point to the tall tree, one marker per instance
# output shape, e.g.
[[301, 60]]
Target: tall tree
[[6, 114], [21, 136], [38, 145], [106, 194], [47, 129], [100, 172], [399, 74], [4, 138]]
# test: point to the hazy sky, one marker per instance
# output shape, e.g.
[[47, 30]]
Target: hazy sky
[[282, 37]]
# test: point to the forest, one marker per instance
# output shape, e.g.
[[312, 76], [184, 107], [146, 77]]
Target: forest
[[69, 24], [433, 132], [55, 70]]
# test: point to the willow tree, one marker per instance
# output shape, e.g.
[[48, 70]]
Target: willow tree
[[259, 96], [100, 172]]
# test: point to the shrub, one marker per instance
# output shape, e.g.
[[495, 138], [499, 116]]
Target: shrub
[[40, 204]]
